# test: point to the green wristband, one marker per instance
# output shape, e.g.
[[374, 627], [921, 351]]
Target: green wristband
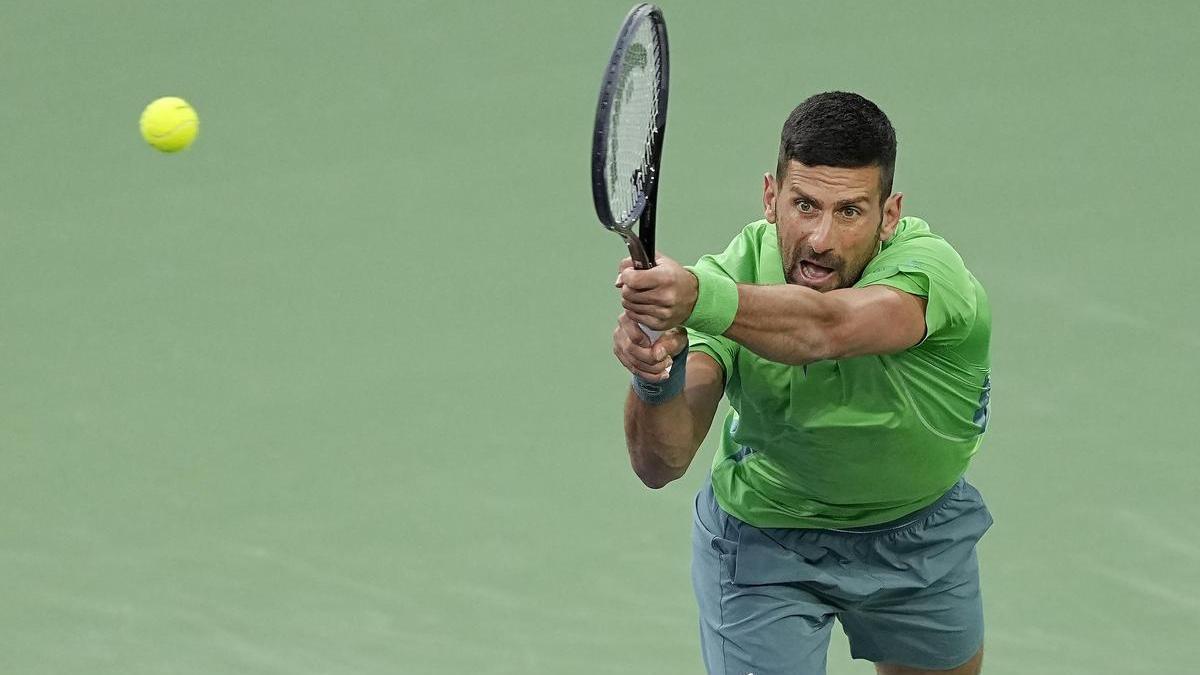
[[716, 302]]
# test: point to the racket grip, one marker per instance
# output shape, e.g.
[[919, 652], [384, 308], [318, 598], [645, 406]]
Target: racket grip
[[651, 333]]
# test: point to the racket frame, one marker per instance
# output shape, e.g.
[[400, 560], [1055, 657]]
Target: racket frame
[[643, 212]]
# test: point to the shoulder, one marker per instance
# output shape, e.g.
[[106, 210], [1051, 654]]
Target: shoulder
[[921, 263], [743, 257], [755, 236], [914, 243], [914, 248], [758, 229]]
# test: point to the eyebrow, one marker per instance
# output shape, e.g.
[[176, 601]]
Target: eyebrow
[[840, 204]]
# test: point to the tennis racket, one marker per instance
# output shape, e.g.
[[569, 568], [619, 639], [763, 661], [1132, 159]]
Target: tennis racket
[[631, 119]]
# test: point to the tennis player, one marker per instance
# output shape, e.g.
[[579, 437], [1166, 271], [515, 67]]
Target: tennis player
[[852, 344]]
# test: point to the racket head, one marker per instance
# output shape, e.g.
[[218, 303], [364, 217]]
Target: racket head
[[631, 117]]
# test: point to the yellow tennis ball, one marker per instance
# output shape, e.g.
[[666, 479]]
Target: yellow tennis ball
[[169, 124]]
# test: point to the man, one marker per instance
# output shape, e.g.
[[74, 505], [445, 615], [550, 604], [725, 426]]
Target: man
[[852, 344]]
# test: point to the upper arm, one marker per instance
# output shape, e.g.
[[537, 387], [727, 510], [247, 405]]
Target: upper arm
[[875, 320], [929, 268], [703, 390]]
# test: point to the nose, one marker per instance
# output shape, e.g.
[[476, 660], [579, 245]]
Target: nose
[[821, 239]]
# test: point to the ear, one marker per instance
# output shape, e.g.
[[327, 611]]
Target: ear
[[891, 215], [769, 197]]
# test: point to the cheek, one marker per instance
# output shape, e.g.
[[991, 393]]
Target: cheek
[[860, 239], [792, 230], [789, 241], [864, 250]]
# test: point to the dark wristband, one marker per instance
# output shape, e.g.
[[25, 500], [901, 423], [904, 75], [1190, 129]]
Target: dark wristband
[[656, 393]]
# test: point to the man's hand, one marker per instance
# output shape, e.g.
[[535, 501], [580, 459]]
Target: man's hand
[[633, 349], [661, 297]]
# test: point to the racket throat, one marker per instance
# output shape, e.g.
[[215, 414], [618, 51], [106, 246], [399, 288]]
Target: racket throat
[[637, 251]]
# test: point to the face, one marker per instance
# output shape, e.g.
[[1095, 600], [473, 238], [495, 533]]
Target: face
[[831, 222]]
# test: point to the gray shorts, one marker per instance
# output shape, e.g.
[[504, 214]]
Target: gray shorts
[[906, 592]]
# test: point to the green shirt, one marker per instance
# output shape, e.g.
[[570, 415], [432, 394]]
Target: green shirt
[[860, 441]]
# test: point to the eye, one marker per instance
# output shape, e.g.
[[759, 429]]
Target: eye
[[804, 206], [851, 212]]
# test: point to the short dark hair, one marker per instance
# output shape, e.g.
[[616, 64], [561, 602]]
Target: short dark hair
[[839, 129]]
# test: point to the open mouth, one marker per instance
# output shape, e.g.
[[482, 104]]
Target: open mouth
[[814, 273]]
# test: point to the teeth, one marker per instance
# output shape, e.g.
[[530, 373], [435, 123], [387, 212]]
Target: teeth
[[812, 270]]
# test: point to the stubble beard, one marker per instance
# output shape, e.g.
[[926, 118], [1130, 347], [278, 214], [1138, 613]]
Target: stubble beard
[[833, 262]]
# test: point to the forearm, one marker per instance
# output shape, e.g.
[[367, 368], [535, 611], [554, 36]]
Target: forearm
[[786, 323], [661, 438], [664, 426]]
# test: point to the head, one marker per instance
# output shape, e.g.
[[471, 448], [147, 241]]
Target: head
[[831, 195]]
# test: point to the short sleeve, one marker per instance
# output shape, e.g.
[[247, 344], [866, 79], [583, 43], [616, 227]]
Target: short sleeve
[[721, 349], [927, 266]]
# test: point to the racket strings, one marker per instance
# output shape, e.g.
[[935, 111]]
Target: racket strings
[[634, 109]]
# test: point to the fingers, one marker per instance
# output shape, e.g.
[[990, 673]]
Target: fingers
[[645, 352], [641, 346], [650, 372], [643, 280], [625, 264], [654, 314], [643, 310], [659, 297], [629, 325], [673, 341], [651, 321], [633, 349], [650, 298], [650, 310], [649, 377], [654, 307]]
